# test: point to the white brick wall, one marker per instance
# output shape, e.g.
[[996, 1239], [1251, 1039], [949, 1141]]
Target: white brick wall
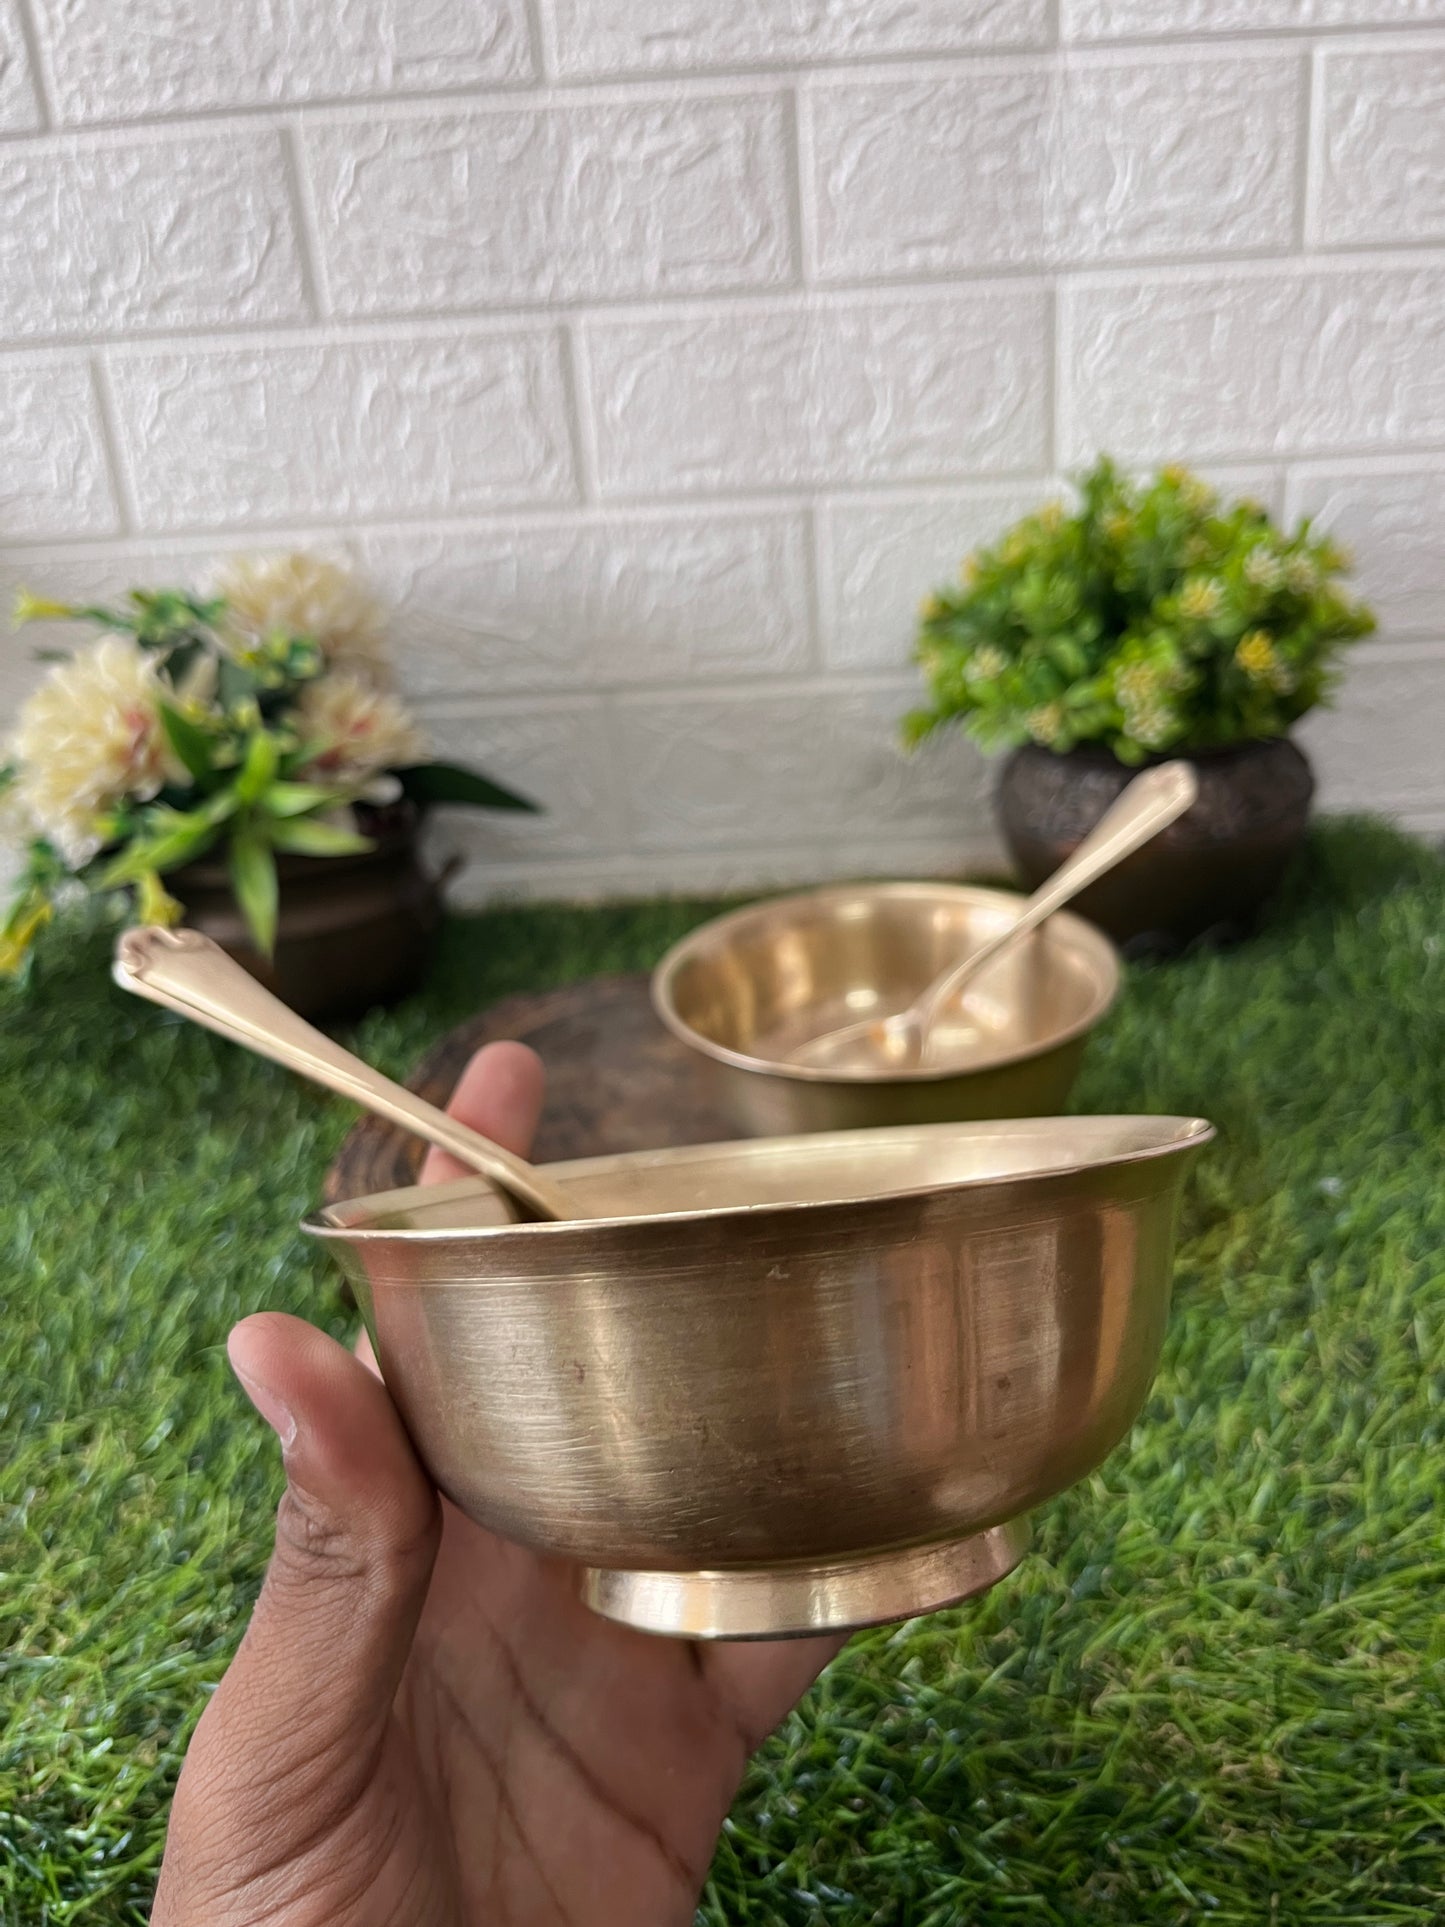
[[656, 356], [179, 56], [1128, 156], [1381, 172], [426, 212], [218, 435], [54, 477], [1269, 359], [136, 234], [594, 37], [18, 106], [834, 390]]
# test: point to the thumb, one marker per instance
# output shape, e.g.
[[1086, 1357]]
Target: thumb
[[310, 1691]]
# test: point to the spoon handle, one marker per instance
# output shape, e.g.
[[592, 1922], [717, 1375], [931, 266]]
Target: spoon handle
[[1150, 804], [186, 972]]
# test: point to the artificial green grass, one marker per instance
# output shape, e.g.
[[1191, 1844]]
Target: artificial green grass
[[1216, 1693]]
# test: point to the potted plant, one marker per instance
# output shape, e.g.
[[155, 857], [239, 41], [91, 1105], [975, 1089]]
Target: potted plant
[[237, 760], [1155, 621]]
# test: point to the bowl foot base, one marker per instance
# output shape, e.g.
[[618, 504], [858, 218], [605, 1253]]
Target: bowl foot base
[[779, 1602]]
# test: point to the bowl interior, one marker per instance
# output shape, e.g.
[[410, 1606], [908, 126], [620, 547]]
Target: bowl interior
[[750, 987], [763, 1173]]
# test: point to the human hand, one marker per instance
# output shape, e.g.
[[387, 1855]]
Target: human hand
[[423, 1725]]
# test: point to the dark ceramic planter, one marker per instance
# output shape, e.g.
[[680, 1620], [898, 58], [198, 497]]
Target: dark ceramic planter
[[352, 931], [1205, 876]]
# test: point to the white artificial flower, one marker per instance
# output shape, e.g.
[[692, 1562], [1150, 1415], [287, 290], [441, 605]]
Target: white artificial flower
[[90, 735], [305, 595], [362, 730]]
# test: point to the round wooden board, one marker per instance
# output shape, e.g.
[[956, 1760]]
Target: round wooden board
[[616, 1081]]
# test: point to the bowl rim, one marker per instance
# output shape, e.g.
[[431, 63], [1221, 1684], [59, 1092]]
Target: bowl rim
[[1083, 935], [1176, 1134]]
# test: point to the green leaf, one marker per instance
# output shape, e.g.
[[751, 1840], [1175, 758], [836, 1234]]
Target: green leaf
[[29, 914], [304, 836], [258, 770], [192, 745], [295, 799], [428, 783], [175, 839], [253, 878], [220, 807], [154, 903], [917, 724]]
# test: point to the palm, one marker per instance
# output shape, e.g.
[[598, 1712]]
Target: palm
[[571, 1769]]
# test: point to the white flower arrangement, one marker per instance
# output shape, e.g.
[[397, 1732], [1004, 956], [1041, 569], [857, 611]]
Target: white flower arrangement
[[257, 718]]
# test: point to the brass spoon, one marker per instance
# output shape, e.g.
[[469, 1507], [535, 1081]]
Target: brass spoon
[[1149, 804], [188, 973]]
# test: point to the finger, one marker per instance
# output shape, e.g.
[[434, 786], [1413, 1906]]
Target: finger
[[309, 1692], [499, 1094], [762, 1680]]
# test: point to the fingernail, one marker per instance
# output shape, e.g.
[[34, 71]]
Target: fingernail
[[277, 1414]]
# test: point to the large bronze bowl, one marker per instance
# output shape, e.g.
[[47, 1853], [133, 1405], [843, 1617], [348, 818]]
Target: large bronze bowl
[[813, 1382]]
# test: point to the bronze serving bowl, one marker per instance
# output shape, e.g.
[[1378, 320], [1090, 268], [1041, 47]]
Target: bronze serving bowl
[[814, 1382], [749, 987]]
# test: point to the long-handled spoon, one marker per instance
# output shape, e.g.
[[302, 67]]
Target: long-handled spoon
[[900, 1042], [186, 972]]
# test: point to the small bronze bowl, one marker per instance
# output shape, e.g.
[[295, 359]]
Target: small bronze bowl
[[814, 1382], [749, 987]]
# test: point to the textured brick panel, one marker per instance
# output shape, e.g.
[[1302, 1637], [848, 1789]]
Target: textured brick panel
[[758, 768], [970, 845], [882, 558], [19, 109], [173, 56], [1380, 748], [597, 879], [462, 209], [256, 435], [1133, 156], [1254, 363], [625, 36], [559, 754], [146, 234], [1085, 19], [53, 476], [1382, 142], [1391, 522], [883, 389], [533, 606]]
